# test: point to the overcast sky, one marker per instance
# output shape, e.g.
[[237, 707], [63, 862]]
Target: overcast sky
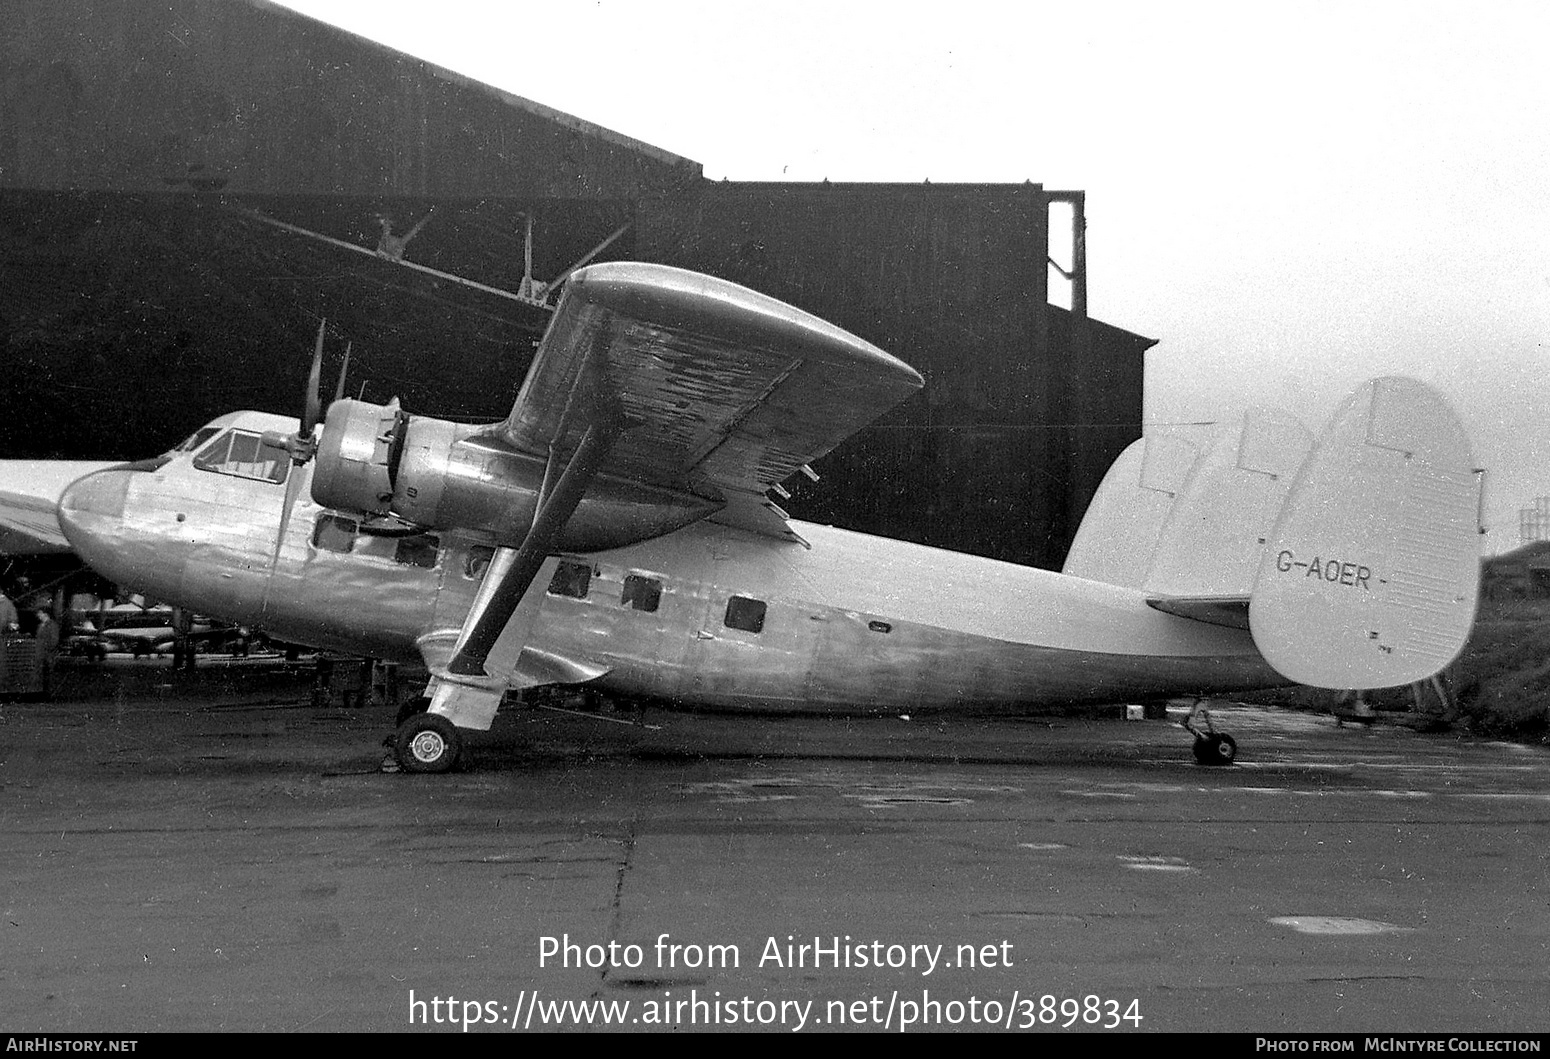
[[1292, 197]]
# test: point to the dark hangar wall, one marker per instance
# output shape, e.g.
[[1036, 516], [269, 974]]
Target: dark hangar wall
[[1002, 450], [243, 96], [138, 300]]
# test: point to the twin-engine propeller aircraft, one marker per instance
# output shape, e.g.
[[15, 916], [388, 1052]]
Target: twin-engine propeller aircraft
[[615, 531]]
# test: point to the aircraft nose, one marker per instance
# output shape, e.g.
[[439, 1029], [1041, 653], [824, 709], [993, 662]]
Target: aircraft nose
[[122, 528], [92, 507]]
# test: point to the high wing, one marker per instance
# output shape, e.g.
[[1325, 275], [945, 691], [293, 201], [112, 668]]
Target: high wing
[[718, 390], [672, 379], [29, 495]]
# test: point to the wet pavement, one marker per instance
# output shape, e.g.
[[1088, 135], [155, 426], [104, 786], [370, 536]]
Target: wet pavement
[[219, 854]]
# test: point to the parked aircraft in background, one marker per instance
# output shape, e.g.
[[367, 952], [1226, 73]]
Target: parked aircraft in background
[[139, 629], [615, 531]]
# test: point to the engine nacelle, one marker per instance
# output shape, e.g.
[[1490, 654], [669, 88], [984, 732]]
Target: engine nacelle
[[442, 475], [358, 457]]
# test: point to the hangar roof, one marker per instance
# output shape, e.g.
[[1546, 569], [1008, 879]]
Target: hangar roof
[[559, 117], [253, 98]]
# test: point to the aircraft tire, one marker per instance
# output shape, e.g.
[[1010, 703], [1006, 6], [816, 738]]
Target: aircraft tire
[[1216, 749], [427, 742]]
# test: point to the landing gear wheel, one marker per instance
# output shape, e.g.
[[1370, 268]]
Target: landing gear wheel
[[427, 742], [1211, 747], [1216, 749]]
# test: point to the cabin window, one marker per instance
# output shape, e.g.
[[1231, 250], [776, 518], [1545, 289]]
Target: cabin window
[[420, 550], [746, 614], [243, 454], [642, 593], [571, 579], [334, 533], [879, 626], [478, 561]]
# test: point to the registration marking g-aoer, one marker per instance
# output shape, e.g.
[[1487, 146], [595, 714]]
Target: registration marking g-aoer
[[1334, 571]]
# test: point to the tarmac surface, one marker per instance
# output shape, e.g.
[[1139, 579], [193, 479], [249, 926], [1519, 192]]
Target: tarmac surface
[[215, 853]]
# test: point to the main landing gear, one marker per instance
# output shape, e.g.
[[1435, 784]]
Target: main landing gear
[[427, 742], [423, 742], [1211, 747]]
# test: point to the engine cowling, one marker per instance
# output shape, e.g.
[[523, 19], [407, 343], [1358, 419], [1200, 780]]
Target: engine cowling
[[378, 460], [358, 456]]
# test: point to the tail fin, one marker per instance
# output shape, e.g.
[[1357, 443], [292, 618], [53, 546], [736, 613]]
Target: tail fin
[[1211, 542], [1371, 574], [1120, 530]]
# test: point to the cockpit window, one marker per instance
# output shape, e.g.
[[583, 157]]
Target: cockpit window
[[243, 454], [197, 438]]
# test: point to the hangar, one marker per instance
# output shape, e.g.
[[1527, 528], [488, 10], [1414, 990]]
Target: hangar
[[186, 187]]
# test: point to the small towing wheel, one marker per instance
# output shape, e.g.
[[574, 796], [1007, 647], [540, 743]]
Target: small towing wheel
[[427, 742], [1216, 749]]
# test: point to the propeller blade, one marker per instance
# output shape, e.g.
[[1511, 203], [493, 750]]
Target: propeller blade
[[301, 448], [292, 487], [311, 409], [343, 371]]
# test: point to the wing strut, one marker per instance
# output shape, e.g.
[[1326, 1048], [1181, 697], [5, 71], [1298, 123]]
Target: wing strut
[[554, 510]]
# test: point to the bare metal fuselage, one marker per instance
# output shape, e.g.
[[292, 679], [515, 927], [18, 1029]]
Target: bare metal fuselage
[[851, 623]]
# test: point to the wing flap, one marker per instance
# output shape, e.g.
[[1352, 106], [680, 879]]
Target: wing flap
[[757, 513]]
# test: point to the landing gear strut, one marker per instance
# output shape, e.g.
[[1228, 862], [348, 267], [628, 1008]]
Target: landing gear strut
[[1211, 747]]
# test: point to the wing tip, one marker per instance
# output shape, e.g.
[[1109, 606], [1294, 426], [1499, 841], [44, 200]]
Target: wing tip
[[632, 286]]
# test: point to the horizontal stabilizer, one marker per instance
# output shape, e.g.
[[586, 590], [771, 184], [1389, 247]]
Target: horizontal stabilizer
[[1370, 576], [1230, 612]]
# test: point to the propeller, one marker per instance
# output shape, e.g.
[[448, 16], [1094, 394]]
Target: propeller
[[302, 445], [343, 371]]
